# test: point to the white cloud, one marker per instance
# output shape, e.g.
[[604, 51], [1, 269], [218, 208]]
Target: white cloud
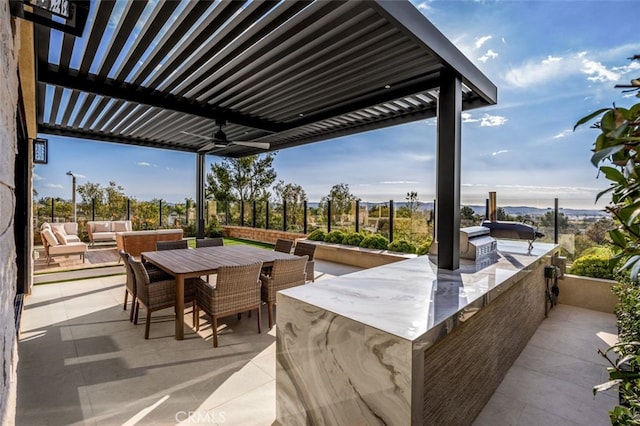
[[492, 120], [485, 121], [423, 6], [53, 185], [598, 71], [490, 54], [37, 177], [144, 164], [563, 133], [502, 151], [399, 182], [468, 118], [551, 59], [556, 68], [482, 40]]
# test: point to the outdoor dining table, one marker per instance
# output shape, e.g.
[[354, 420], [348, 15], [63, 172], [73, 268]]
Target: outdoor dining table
[[191, 263]]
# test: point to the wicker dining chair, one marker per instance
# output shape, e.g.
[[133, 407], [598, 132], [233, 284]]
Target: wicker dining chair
[[130, 284], [307, 249], [283, 245], [172, 245], [236, 290], [209, 242], [155, 295], [286, 273]]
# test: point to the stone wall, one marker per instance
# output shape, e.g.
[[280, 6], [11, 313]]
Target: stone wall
[[8, 101], [259, 234]]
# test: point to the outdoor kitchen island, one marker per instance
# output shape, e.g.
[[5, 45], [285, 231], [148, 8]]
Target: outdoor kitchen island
[[406, 343]]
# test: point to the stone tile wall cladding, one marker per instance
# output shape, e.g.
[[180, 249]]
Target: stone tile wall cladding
[[8, 101]]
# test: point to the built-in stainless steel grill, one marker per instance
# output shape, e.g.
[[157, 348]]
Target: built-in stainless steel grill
[[475, 243]]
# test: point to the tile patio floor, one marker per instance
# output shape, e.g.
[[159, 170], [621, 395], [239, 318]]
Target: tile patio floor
[[83, 363]]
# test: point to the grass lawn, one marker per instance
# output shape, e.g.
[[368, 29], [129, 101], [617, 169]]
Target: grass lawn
[[237, 242]]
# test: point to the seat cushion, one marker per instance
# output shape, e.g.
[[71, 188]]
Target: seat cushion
[[71, 248], [50, 237], [62, 238]]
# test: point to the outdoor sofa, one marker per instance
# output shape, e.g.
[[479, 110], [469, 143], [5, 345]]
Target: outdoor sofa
[[61, 239], [105, 230]]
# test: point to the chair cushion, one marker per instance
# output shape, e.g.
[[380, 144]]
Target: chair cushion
[[62, 238], [121, 226], [50, 237], [101, 227], [58, 227]]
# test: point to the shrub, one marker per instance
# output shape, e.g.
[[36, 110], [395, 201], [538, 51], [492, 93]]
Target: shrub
[[213, 231], [317, 235], [335, 237], [375, 241], [402, 246], [424, 248], [593, 265], [353, 239]]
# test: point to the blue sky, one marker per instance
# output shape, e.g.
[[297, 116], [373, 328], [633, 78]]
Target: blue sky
[[552, 61]]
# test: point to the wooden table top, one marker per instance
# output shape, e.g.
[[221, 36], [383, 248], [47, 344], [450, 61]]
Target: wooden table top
[[207, 260]]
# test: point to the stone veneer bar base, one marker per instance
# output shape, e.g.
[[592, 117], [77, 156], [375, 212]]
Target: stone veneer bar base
[[405, 344]]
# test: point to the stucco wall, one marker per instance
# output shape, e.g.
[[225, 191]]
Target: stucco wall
[[8, 102], [588, 293]]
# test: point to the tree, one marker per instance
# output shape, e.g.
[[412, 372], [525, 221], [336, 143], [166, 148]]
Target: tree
[[598, 231], [467, 213], [413, 204], [548, 220], [241, 179], [341, 200], [295, 196]]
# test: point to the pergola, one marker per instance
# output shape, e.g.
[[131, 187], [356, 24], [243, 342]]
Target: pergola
[[286, 73]]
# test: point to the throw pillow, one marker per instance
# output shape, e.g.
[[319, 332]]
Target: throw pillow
[[62, 239], [101, 227], [58, 228], [51, 239]]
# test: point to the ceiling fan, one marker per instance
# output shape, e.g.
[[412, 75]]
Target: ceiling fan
[[219, 140]]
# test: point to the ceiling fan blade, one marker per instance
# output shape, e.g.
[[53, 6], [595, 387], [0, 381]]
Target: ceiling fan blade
[[207, 138], [261, 145], [209, 146]]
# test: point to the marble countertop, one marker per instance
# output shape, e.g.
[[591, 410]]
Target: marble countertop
[[413, 298]]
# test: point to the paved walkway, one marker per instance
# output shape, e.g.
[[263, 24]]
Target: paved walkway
[[83, 363]]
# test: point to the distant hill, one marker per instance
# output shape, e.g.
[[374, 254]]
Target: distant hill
[[511, 210]]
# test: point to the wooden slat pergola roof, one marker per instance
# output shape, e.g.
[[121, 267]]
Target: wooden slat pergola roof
[[283, 72]]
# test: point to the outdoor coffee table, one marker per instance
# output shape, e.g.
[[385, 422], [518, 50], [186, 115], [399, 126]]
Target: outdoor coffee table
[[191, 263]]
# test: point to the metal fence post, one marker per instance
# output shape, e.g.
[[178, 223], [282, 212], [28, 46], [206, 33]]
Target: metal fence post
[[284, 215], [160, 215], [357, 215], [241, 213], [266, 216], [128, 209], [328, 215], [226, 212], [52, 209], [304, 218], [555, 221], [391, 214], [93, 209]]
